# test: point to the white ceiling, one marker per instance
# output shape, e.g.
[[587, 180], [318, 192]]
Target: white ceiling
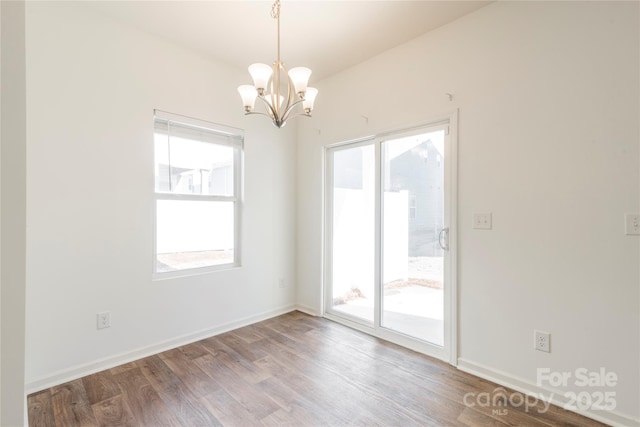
[[326, 36]]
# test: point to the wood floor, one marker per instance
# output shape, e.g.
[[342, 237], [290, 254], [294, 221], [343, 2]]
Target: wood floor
[[293, 370]]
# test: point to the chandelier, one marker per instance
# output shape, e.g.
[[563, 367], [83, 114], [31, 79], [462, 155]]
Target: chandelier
[[269, 83]]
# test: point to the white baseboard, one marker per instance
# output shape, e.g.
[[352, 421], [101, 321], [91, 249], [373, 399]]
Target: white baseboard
[[307, 310], [555, 397], [85, 369]]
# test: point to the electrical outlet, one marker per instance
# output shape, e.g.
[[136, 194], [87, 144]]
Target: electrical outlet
[[281, 283], [542, 341], [482, 221], [104, 320], [631, 224]]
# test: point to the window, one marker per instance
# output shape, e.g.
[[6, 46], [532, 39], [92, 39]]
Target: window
[[197, 193], [413, 206]]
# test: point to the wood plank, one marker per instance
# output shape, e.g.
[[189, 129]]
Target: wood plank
[[40, 409], [228, 410], [189, 410], [71, 405], [233, 358], [332, 404], [293, 418], [189, 373], [471, 418], [143, 400], [249, 351], [114, 412], [246, 335], [175, 394], [299, 406], [122, 368], [157, 373], [100, 386], [186, 352], [256, 403]]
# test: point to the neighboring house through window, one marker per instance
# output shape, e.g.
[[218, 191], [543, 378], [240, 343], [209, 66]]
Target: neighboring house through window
[[197, 192]]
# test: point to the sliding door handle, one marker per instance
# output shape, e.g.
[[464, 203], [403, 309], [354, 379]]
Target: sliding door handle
[[443, 238]]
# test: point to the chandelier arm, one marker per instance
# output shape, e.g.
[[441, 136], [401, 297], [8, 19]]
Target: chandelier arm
[[258, 113], [268, 107], [290, 92], [299, 114], [291, 102], [276, 80], [287, 112], [277, 121]]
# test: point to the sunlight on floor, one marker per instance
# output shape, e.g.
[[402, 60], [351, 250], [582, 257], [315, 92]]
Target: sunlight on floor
[[412, 310]]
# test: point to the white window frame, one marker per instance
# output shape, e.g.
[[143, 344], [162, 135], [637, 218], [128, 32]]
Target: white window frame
[[234, 138]]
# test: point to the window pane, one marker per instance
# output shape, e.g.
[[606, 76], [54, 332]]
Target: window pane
[[413, 261], [161, 168], [188, 166], [353, 237], [193, 234]]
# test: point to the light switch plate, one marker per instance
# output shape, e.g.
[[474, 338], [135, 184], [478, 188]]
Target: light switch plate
[[482, 221], [632, 224]]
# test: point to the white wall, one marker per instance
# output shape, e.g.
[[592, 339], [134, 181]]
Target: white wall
[[13, 227], [548, 97], [92, 85]]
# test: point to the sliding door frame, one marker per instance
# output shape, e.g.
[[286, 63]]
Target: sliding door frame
[[449, 352], [353, 322]]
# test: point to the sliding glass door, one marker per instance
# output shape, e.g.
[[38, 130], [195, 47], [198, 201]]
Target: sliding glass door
[[388, 240], [413, 225]]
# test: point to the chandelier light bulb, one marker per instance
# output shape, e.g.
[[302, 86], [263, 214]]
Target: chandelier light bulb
[[260, 73], [248, 94], [309, 99], [300, 78]]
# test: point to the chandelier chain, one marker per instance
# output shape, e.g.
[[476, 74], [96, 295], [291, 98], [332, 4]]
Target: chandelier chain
[[275, 14], [275, 9]]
